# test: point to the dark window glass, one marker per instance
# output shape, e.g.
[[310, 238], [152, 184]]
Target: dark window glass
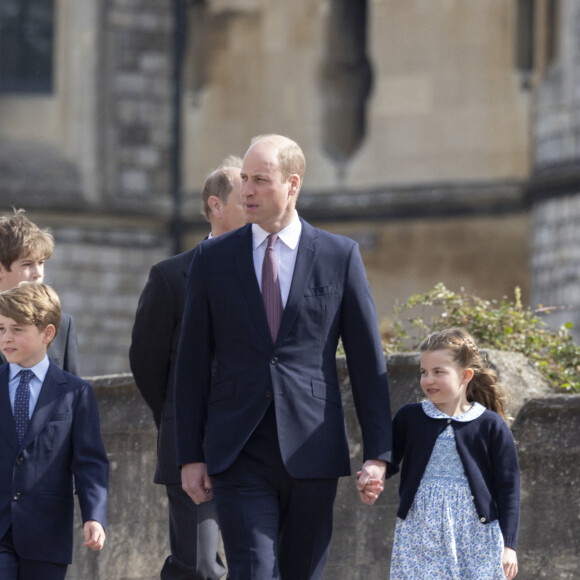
[[525, 35], [553, 30], [26, 45]]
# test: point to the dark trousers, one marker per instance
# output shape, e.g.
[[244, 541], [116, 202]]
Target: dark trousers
[[193, 539], [12, 567], [273, 525]]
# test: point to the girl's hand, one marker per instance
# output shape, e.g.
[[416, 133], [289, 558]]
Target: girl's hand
[[509, 562], [371, 490]]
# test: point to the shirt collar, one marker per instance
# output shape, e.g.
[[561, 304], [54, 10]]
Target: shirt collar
[[290, 235], [40, 369], [475, 411]]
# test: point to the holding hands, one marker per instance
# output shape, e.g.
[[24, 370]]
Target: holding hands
[[370, 480]]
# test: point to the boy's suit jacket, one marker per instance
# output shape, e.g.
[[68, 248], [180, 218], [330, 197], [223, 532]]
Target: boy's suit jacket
[[63, 349], [62, 452], [225, 317], [154, 343]]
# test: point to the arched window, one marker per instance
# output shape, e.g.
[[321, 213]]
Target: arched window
[[26, 46]]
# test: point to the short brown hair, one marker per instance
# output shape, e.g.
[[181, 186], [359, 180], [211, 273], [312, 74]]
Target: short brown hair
[[220, 183], [20, 238], [31, 304]]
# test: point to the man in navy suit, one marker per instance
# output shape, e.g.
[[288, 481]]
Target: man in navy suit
[[259, 417], [50, 444], [193, 530]]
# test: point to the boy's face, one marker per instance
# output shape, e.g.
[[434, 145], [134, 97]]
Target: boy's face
[[24, 344], [29, 269]]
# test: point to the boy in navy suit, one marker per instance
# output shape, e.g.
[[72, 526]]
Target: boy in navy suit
[[50, 444]]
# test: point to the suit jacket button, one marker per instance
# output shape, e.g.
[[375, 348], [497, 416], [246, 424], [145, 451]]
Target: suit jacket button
[[16, 496], [274, 360], [20, 460]]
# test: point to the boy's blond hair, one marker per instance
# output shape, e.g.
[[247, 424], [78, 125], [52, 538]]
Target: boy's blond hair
[[30, 303], [21, 238]]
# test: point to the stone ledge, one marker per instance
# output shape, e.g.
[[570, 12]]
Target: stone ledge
[[546, 428]]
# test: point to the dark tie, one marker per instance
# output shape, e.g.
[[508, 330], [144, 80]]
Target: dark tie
[[22, 403], [271, 288]]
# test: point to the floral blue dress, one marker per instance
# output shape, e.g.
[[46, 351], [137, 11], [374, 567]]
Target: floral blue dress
[[442, 537]]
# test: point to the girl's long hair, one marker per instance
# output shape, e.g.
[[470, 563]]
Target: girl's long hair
[[484, 387]]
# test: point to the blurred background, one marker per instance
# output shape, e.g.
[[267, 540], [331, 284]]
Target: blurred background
[[443, 136]]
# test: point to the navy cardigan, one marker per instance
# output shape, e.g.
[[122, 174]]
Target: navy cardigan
[[487, 451]]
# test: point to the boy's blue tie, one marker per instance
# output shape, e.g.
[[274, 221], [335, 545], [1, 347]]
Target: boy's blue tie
[[22, 403]]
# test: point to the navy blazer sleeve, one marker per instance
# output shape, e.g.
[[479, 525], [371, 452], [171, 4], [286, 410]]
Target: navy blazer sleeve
[[194, 358], [366, 361], [151, 343], [90, 465]]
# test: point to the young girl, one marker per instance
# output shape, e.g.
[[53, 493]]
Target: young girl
[[459, 493]]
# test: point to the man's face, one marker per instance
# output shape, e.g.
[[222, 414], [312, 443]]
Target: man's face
[[268, 199], [233, 211], [29, 269], [23, 344]]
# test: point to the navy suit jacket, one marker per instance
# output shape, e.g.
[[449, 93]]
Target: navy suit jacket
[[62, 452], [225, 318], [153, 351], [63, 349]]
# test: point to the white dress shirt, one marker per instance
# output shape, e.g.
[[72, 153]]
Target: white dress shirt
[[285, 251]]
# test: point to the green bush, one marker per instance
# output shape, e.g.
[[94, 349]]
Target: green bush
[[502, 325]]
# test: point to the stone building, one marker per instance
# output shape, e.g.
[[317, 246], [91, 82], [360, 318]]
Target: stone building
[[443, 136]]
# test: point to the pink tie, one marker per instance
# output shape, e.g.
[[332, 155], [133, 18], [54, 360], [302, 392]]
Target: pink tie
[[271, 288]]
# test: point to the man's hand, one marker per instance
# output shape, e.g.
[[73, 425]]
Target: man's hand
[[196, 482], [94, 535], [370, 480]]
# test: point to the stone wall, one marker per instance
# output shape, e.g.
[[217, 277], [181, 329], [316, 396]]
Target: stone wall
[[555, 258], [101, 264], [546, 428], [554, 186], [433, 192], [136, 106], [548, 434], [99, 270]]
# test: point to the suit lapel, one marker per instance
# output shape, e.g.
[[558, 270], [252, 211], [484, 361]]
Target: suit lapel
[[305, 261], [50, 396], [7, 425]]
